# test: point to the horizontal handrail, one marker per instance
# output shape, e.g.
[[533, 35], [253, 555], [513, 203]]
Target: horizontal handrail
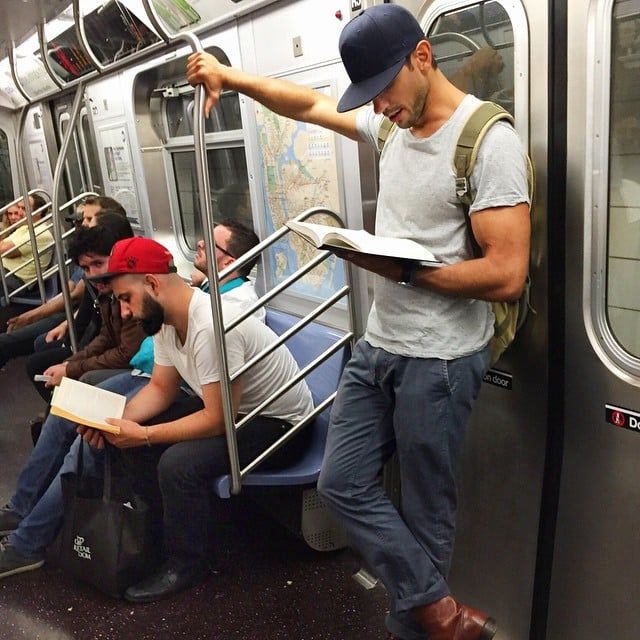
[[19, 199], [319, 310], [336, 346], [7, 231], [233, 427], [50, 271], [289, 434], [272, 293]]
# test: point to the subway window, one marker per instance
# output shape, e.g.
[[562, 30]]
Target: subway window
[[229, 189], [6, 181], [474, 48], [623, 249], [225, 154]]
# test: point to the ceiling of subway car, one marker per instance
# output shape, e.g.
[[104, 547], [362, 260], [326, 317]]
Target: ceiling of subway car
[[18, 18]]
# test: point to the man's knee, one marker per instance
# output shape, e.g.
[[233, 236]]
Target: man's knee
[[57, 429], [172, 470], [333, 486]]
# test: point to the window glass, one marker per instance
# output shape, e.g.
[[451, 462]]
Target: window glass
[[224, 117], [474, 48], [73, 167], [229, 189], [6, 182], [94, 180], [114, 31], [623, 274], [179, 105]]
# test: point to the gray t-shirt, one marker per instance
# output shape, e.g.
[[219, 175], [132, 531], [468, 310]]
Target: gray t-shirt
[[417, 200]]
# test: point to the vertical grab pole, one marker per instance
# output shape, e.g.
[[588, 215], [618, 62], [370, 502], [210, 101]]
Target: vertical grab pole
[[202, 174], [24, 189], [55, 214]]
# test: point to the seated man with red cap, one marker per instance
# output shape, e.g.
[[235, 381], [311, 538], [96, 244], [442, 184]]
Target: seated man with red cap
[[173, 443]]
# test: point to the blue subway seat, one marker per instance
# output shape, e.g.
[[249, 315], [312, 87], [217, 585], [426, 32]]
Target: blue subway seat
[[32, 297], [306, 345]]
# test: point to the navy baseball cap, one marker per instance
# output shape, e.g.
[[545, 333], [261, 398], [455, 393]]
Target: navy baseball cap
[[373, 46]]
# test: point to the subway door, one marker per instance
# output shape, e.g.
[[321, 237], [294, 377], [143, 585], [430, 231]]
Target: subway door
[[39, 148], [484, 48], [595, 578], [8, 174]]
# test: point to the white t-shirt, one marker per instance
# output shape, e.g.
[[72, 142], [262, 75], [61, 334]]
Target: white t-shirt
[[244, 295], [197, 362]]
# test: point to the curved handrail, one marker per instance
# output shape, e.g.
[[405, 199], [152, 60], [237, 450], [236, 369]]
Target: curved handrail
[[237, 473], [82, 37], [470, 43], [15, 225], [49, 271], [22, 181], [14, 73], [45, 58], [57, 223], [19, 199]]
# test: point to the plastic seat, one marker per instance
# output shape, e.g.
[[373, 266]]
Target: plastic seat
[[51, 289], [32, 297], [305, 346]]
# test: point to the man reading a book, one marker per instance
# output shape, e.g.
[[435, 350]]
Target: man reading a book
[[28, 540], [414, 376], [176, 445]]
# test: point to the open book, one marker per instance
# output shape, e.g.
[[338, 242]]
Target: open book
[[324, 236], [87, 405]]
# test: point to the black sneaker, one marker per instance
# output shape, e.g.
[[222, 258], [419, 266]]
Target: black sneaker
[[9, 520], [12, 562]]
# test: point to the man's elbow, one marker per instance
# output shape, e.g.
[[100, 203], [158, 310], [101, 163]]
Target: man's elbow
[[511, 289]]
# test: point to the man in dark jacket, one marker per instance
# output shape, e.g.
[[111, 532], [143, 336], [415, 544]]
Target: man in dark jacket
[[118, 340]]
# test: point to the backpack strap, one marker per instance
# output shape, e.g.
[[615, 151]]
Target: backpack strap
[[386, 127], [473, 132]]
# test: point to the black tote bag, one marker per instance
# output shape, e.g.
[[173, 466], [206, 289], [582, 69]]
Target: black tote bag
[[106, 535]]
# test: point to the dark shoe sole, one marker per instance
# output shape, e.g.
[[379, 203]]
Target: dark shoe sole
[[24, 568], [489, 630]]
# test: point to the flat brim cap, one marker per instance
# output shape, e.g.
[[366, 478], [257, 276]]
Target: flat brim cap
[[374, 46], [136, 255]]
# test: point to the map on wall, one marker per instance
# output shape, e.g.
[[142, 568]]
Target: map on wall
[[299, 171]]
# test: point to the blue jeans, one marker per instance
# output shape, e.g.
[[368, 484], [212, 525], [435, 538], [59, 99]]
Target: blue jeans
[[418, 407], [38, 496], [21, 341]]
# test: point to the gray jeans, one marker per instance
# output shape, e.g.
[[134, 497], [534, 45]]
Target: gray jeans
[[418, 407]]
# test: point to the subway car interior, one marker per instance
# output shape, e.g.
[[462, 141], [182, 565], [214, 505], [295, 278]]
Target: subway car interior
[[94, 101]]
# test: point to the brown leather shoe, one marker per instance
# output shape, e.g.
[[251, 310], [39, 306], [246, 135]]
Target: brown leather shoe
[[447, 619]]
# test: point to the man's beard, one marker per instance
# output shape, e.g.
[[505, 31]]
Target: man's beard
[[152, 316]]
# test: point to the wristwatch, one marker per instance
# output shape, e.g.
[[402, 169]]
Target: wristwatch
[[408, 274]]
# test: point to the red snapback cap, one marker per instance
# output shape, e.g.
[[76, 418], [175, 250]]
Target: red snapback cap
[[137, 255]]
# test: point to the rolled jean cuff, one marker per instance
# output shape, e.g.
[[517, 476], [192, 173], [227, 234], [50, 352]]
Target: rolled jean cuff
[[437, 592]]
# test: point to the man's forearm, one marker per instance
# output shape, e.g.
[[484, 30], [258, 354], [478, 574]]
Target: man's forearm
[[148, 403], [201, 424], [281, 96]]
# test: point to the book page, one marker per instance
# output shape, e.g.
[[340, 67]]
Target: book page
[[87, 405], [364, 242]]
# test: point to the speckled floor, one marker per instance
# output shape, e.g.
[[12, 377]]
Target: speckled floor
[[265, 584]]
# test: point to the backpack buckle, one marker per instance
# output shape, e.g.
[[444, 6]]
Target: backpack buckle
[[462, 187]]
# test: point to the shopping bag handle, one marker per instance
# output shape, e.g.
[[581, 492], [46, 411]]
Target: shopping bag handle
[[106, 488]]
